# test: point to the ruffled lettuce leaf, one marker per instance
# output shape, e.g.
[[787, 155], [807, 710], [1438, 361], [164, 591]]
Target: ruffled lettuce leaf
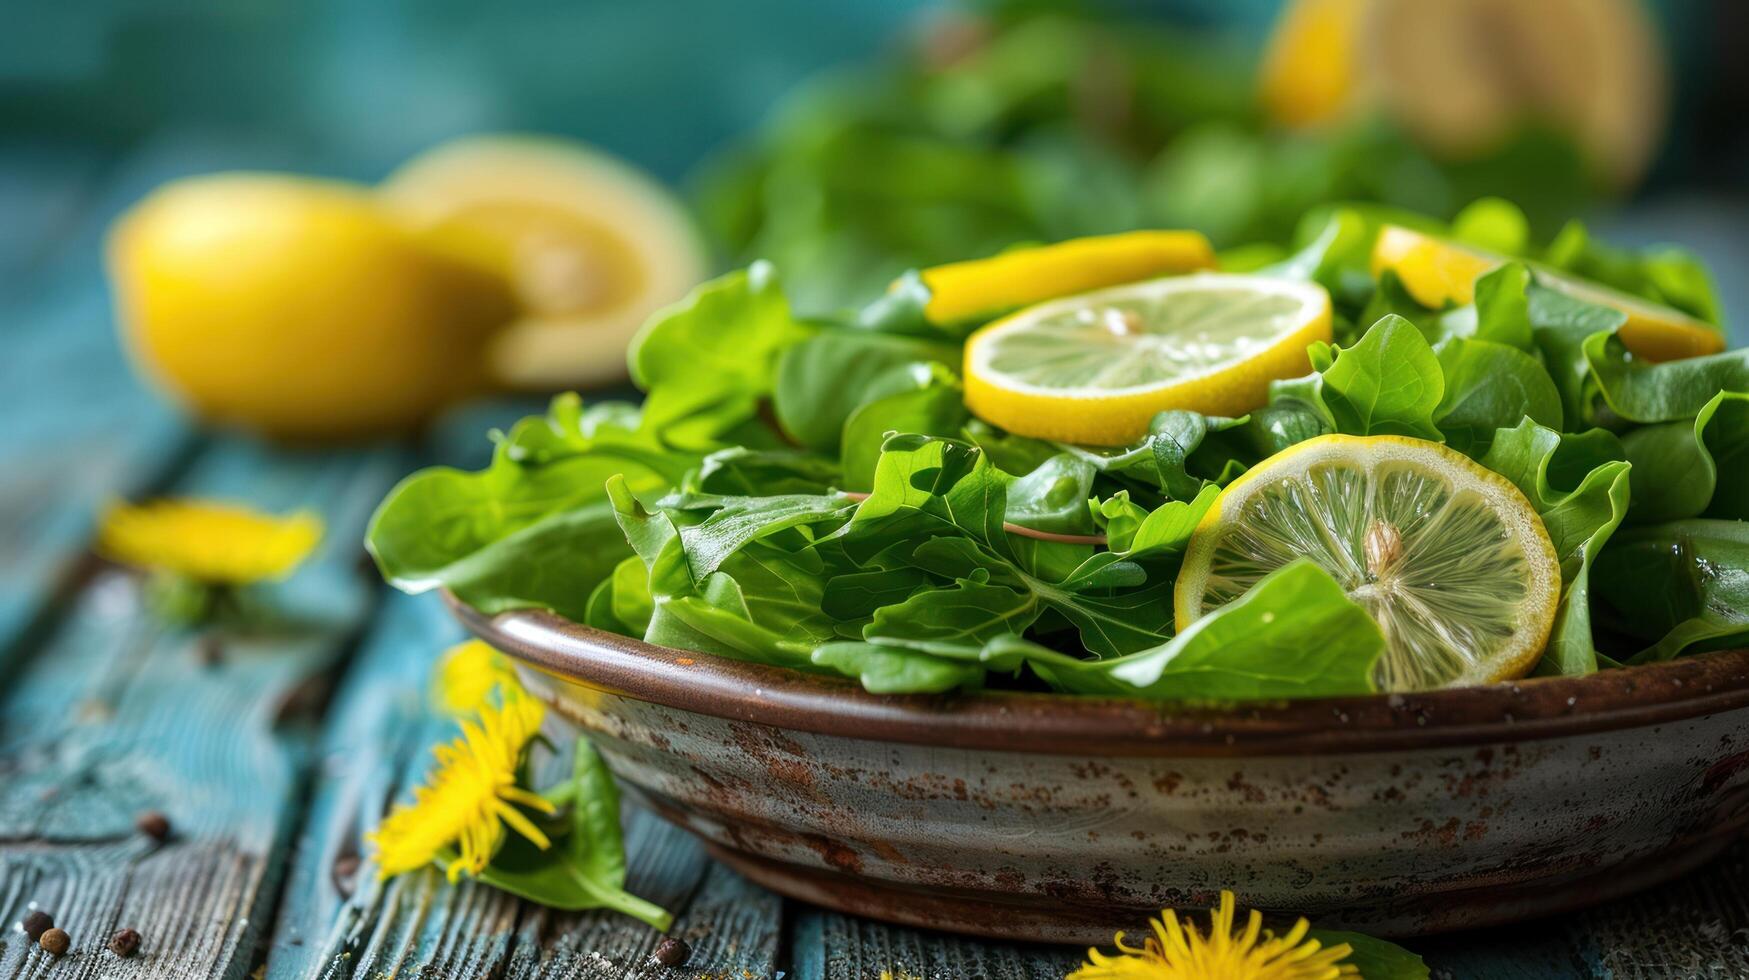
[[1579, 486]]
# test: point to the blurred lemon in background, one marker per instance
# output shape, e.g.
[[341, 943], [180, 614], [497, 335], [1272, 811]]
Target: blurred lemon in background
[[1464, 76], [590, 246], [296, 307]]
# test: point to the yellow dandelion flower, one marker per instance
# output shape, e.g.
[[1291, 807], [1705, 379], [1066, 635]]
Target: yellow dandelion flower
[[469, 797], [467, 676], [213, 543], [1177, 951]]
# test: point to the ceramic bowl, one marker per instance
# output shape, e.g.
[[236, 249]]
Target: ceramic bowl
[[1056, 818]]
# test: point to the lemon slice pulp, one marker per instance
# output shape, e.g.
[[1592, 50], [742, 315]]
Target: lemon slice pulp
[[1095, 368], [1447, 556], [590, 245], [1436, 271], [963, 291]]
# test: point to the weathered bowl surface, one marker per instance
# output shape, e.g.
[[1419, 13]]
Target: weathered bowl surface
[[1056, 818]]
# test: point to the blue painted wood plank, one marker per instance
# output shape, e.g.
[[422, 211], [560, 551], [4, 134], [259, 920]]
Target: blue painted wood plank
[[377, 742], [833, 945], [113, 713], [79, 427]]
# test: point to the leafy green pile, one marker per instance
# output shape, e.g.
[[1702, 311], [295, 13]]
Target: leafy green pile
[[1030, 125], [813, 493]]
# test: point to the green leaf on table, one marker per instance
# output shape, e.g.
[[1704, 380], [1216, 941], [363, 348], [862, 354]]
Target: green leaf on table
[[1376, 959], [1295, 634], [1680, 468], [1679, 585], [585, 867], [1579, 486], [1491, 386]]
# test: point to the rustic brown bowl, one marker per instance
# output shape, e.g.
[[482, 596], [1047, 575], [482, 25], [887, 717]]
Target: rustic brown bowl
[[1057, 818]]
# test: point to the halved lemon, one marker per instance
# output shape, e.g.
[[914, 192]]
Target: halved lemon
[[1449, 558], [591, 245], [1095, 368], [962, 291], [1436, 271]]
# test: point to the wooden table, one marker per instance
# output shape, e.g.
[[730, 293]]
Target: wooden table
[[270, 757]]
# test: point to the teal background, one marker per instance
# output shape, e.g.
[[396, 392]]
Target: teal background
[[350, 88]]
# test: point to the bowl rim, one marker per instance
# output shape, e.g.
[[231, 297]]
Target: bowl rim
[[1061, 724]]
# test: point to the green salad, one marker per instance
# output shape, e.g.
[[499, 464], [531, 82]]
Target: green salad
[[815, 492], [1021, 123]]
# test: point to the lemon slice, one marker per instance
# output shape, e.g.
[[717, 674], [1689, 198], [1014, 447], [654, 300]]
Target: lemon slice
[[591, 246], [962, 291], [1448, 557], [1094, 368], [1436, 271]]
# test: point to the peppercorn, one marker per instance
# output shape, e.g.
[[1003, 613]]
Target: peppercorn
[[154, 825], [125, 943], [671, 952], [36, 923], [346, 874], [55, 941]]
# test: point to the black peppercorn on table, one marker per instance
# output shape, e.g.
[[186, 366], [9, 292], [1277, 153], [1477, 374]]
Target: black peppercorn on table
[[266, 752]]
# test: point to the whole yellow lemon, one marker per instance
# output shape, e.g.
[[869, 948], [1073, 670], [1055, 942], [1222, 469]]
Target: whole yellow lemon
[[298, 308]]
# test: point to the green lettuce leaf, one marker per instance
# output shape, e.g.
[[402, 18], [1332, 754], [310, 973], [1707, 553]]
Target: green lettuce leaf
[[1678, 586], [708, 360], [1692, 467], [1640, 391], [1490, 386], [534, 528], [1579, 486]]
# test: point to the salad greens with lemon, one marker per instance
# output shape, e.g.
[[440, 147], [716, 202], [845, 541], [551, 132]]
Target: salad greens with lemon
[[1408, 455]]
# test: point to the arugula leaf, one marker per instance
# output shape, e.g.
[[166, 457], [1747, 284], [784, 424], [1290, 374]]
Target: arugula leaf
[[1683, 584], [708, 360], [1053, 497], [752, 472], [585, 869], [1178, 456], [892, 670], [1491, 386], [1294, 634], [1390, 383], [1680, 466], [969, 612], [1579, 486]]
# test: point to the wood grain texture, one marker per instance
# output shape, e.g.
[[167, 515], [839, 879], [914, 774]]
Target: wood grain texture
[[113, 714], [831, 945], [376, 743]]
